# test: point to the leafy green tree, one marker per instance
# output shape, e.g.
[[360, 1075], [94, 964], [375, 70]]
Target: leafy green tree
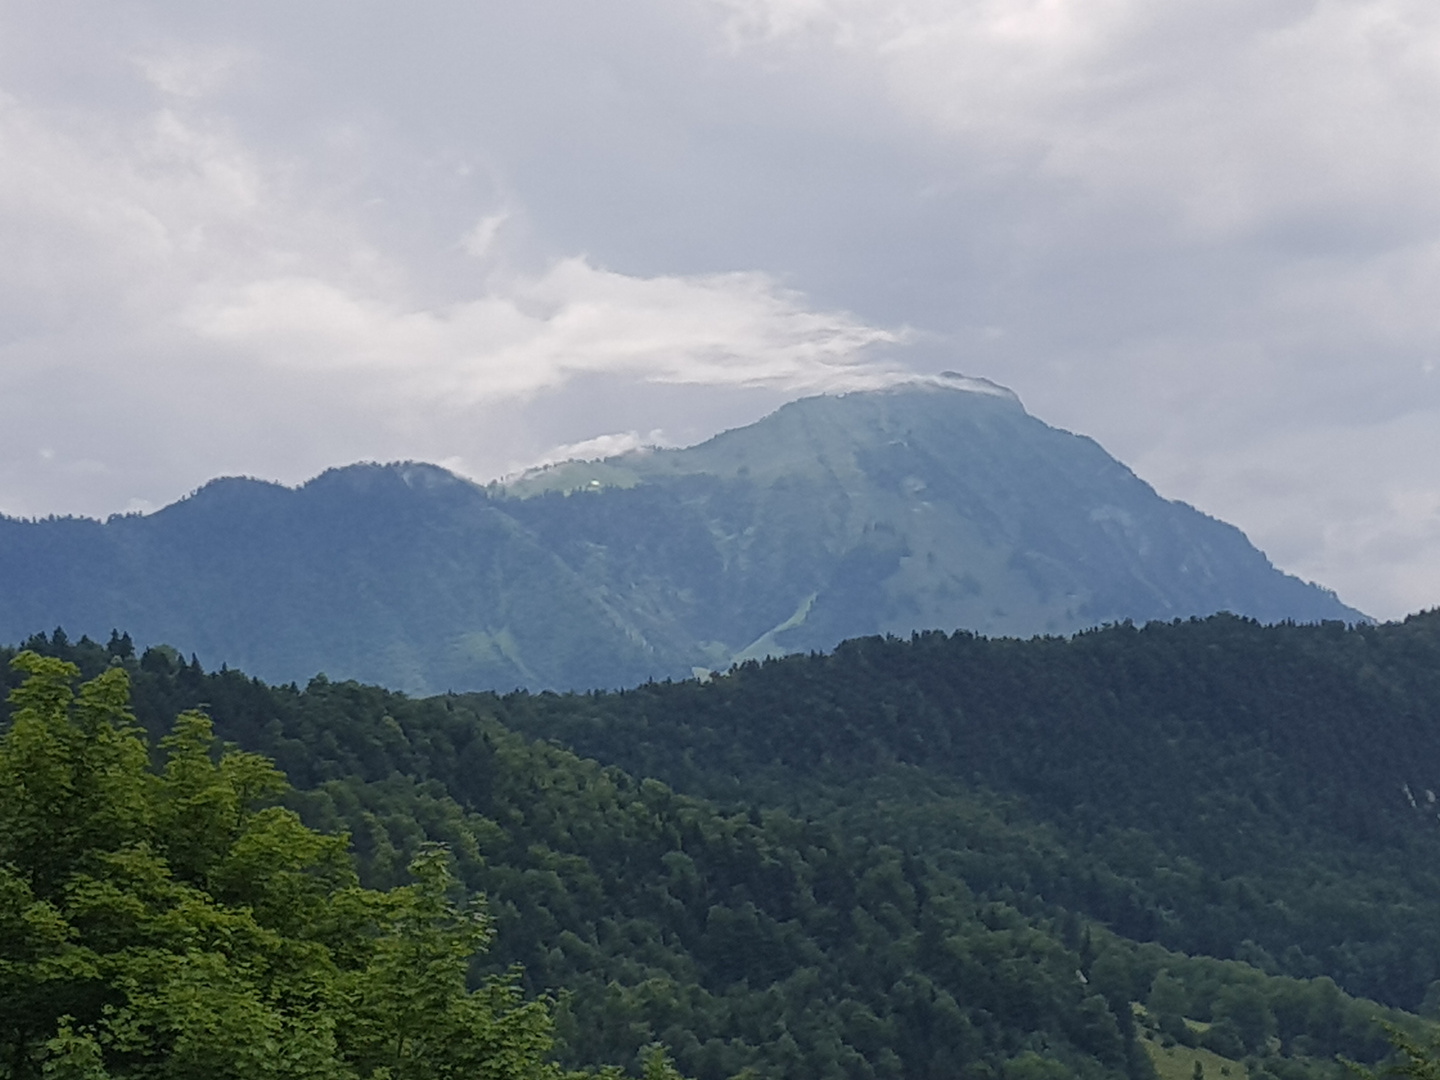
[[1412, 1058], [170, 923], [1243, 1009], [1167, 997]]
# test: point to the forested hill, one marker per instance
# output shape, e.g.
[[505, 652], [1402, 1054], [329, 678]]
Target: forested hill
[[1220, 786], [935, 504], [950, 856]]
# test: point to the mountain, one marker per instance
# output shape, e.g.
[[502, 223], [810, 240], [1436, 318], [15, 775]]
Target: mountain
[[938, 503]]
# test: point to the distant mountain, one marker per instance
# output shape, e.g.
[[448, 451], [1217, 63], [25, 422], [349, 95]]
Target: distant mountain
[[938, 503]]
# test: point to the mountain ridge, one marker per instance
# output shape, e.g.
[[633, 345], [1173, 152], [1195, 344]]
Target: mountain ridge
[[940, 504]]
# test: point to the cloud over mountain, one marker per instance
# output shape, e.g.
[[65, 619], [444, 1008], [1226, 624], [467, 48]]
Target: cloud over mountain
[[269, 240]]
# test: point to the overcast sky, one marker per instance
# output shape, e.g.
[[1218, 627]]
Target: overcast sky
[[269, 237]]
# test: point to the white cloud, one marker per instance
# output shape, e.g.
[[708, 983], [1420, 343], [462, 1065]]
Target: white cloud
[[480, 241], [600, 447], [213, 308], [1226, 119], [188, 71], [532, 334]]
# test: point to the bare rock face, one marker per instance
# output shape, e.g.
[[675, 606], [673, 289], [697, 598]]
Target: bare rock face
[[934, 504]]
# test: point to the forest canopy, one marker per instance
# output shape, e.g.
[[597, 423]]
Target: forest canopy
[[930, 858], [177, 922]]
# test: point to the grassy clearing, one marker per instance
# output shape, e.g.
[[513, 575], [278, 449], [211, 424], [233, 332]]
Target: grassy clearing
[[1178, 1062]]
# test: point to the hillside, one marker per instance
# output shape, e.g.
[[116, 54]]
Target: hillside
[[1220, 787], [821, 932], [935, 504]]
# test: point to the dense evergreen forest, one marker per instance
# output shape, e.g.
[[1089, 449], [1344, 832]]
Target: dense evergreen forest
[[1136, 850], [1222, 787]]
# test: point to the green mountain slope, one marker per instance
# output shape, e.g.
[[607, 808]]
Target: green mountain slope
[[937, 504], [815, 943], [1265, 793]]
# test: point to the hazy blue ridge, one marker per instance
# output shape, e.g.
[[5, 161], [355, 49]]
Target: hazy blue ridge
[[928, 505]]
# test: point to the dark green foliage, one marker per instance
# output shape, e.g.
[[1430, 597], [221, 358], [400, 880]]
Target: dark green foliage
[[169, 924], [861, 908], [1224, 788], [1414, 1058], [740, 941]]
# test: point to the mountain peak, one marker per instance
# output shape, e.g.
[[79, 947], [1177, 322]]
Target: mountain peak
[[953, 380], [816, 431], [415, 475], [934, 503]]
